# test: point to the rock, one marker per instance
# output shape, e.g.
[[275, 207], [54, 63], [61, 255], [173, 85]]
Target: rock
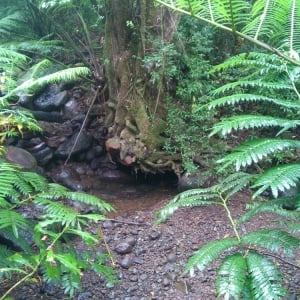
[[154, 235], [82, 143], [171, 258], [126, 262], [21, 157], [71, 109], [51, 99], [107, 224], [189, 181], [123, 248], [48, 116], [67, 179]]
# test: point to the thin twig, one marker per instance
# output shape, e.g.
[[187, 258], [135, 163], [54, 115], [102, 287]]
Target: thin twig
[[83, 125], [129, 223]]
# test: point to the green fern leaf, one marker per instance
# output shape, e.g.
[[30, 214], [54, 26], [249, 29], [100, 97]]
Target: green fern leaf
[[239, 98], [234, 183], [14, 220], [90, 200], [253, 151], [265, 277], [274, 240], [272, 206], [34, 85], [226, 126], [232, 276], [57, 211], [19, 241], [190, 198], [87, 237], [251, 84], [279, 178], [209, 253], [292, 226]]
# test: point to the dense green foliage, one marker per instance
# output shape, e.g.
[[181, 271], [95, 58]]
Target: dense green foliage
[[29, 60], [267, 93], [42, 243]]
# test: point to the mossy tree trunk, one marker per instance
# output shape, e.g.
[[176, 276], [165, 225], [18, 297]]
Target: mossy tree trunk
[[136, 112]]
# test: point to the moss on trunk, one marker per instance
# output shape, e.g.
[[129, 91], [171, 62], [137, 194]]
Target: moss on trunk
[[136, 111]]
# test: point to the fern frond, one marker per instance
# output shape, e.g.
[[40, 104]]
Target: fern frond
[[11, 56], [263, 62], [234, 183], [57, 191], [34, 85], [226, 126], [89, 200], [256, 83], [209, 253], [292, 226], [274, 240], [190, 198], [20, 242], [250, 98], [87, 237], [254, 151], [57, 211], [232, 277], [279, 178], [272, 206], [265, 276], [9, 218], [263, 15]]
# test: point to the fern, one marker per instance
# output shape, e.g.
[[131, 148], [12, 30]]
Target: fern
[[274, 206], [273, 240], [254, 151], [278, 179], [260, 22], [209, 253], [265, 276], [243, 122], [232, 276]]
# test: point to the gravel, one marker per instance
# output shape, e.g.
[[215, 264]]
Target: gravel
[[150, 259]]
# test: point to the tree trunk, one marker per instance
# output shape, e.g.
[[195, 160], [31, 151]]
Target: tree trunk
[[136, 112]]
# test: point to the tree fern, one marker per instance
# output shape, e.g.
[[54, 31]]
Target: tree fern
[[260, 22]]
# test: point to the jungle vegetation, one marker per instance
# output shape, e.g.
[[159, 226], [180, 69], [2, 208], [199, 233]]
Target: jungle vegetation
[[187, 81]]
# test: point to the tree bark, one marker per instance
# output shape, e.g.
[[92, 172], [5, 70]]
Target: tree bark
[[136, 112]]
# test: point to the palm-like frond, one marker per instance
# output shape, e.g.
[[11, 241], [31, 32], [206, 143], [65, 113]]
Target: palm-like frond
[[265, 276], [251, 98], [275, 207], [254, 151], [34, 85], [232, 277], [261, 22], [190, 198], [278, 179], [242, 122], [209, 253], [274, 240]]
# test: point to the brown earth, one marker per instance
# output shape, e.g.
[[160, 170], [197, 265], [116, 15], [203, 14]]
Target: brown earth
[[152, 268]]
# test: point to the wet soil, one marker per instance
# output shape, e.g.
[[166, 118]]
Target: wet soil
[[152, 267]]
